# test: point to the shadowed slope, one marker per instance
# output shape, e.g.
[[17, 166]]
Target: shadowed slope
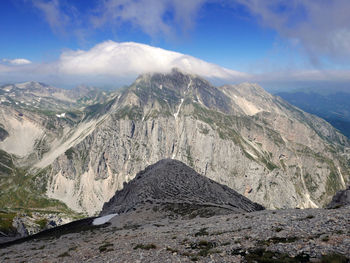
[[172, 182]]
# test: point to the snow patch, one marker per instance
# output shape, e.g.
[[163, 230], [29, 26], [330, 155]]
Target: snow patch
[[103, 219], [8, 88], [62, 115]]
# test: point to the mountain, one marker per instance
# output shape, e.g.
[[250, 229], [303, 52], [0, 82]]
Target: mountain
[[170, 183], [170, 213], [333, 107], [237, 135], [34, 118]]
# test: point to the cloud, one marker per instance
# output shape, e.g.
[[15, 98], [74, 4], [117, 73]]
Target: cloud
[[321, 28], [156, 18], [153, 17], [131, 59], [17, 61], [54, 14], [114, 64]]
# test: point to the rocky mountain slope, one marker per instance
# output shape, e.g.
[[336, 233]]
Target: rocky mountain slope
[[162, 219], [170, 183], [237, 135], [240, 136], [340, 199], [34, 119]]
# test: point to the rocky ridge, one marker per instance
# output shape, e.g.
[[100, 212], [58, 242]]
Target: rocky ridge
[[171, 182], [340, 199]]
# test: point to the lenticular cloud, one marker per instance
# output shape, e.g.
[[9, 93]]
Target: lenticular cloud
[[128, 59]]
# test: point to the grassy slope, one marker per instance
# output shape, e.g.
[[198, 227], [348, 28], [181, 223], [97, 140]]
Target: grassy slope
[[23, 192]]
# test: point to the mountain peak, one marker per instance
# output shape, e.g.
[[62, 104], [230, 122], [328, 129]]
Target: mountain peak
[[172, 182], [173, 88]]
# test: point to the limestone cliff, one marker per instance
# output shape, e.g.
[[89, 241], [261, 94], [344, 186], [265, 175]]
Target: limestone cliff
[[237, 135]]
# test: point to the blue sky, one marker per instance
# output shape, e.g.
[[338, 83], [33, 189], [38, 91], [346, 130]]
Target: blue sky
[[276, 43]]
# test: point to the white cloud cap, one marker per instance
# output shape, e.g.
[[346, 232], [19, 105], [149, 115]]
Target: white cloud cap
[[130, 59]]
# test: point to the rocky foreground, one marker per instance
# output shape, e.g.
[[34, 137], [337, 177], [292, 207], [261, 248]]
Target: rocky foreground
[[170, 213], [310, 235]]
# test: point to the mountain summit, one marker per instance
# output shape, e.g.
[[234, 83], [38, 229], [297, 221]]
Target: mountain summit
[[170, 182]]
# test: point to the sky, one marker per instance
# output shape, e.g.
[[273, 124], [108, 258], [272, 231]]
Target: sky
[[280, 44]]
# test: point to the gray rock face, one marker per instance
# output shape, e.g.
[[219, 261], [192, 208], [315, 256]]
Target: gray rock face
[[172, 182], [237, 135], [20, 227], [340, 199]]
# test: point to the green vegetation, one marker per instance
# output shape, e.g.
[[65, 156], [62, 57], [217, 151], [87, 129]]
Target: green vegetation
[[65, 254], [226, 126], [218, 121], [334, 258], [268, 163], [262, 255], [189, 156], [284, 167], [333, 182], [69, 153], [311, 185], [172, 250], [275, 240], [106, 247], [6, 220], [98, 109], [202, 232], [204, 130], [42, 223], [23, 192], [205, 248], [145, 246], [132, 113], [6, 164]]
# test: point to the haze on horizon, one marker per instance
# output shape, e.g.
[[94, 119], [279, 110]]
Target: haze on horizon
[[279, 44]]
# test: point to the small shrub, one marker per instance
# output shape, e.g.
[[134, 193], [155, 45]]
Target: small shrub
[[41, 222], [202, 232], [65, 254], [334, 258], [325, 239], [171, 250], [278, 229], [105, 247], [145, 246]]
